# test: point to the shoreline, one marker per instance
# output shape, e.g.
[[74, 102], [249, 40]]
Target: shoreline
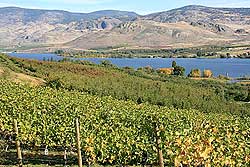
[[49, 57], [128, 57]]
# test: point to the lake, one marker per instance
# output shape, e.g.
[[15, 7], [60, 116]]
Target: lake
[[233, 67]]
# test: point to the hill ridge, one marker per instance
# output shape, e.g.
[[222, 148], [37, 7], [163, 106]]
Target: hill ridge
[[35, 28]]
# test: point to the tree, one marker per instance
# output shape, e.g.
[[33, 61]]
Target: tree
[[200, 54], [51, 59], [55, 83], [179, 71], [107, 63], [196, 73], [207, 74], [174, 64], [59, 52], [223, 56]]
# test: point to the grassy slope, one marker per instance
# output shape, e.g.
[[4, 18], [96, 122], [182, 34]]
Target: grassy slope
[[165, 91], [106, 81]]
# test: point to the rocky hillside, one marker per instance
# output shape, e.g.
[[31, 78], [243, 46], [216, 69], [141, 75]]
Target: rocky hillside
[[12, 15], [183, 27], [150, 34], [202, 14], [214, 19], [20, 26]]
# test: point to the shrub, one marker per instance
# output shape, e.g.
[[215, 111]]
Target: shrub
[[59, 52], [200, 54], [55, 83], [107, 63], [196, 73], [223, 77], [167, 71], [148, 69], [179, 71]]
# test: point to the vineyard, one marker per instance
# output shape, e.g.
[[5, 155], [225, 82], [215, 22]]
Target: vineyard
[[117, 132], [143, 85]]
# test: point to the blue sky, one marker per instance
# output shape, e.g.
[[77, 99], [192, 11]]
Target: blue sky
[[139, 6]]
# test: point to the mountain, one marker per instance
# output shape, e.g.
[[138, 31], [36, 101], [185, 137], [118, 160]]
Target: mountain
[[12, 15], [182, 27], [214, 19], [195, 13], [19, 26], [149, 34]]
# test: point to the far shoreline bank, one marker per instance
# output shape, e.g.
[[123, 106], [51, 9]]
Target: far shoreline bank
[[235, 67]]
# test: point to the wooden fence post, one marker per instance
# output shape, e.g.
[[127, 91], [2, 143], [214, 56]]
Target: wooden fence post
[[65, 157], [78, 143], [18, 148], [158, 142]]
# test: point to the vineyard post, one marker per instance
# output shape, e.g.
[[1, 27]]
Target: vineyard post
[[19, 153], [78, 143], [158, 142], [65, 157]]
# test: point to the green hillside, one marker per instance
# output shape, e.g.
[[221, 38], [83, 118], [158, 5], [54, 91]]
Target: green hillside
[[122, 113], [119, 132], [144, 85]]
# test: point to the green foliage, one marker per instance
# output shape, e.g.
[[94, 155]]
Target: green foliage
[[129, 70], [222, 77], [147, 69], [195, 73], [59, 52], [55, 83], [179, 71], [205, 51], [200, 54], [119, 132], [107, 63], [174, 64], [128, 83], [31, 69], [248, 97]]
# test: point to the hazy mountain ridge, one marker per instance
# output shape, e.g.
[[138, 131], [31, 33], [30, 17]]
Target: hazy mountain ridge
[[201, 13], [9, 14], [186, 26]]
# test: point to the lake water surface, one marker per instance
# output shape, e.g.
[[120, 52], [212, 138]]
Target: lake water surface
[[232, 67]]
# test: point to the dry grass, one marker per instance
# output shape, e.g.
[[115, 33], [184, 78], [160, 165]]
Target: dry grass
[[1, 71], [167, 71], [23, 78], [20, 77], [209, 79], [245, 82], [144, 33]]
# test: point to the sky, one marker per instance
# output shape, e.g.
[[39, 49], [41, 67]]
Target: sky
[[139, 6]]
